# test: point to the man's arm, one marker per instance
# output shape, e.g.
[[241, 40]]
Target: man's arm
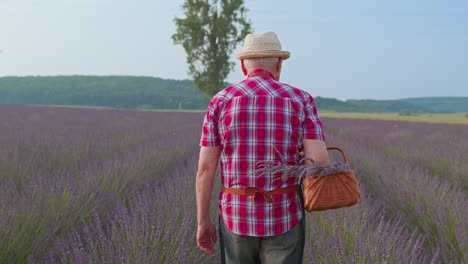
[[207, 165], [316, 150]]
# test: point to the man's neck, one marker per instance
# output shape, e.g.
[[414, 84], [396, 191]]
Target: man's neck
[[263, 73]]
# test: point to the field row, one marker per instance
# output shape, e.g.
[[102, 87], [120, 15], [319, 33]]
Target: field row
[[63, 169], [87, 185], [418, 172]]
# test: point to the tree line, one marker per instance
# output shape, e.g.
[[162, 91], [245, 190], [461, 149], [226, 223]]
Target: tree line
[[156, 93], [107, 91]]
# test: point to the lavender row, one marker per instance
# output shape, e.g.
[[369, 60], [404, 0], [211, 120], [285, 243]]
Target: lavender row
[[42, 197], [431, 204], [158, 226], [363, 234], [440, 149]]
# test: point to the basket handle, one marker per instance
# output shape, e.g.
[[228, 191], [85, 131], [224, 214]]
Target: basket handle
[[341, 151]]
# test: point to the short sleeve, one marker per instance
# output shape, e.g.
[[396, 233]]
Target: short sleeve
[[210, 134], [312, 126]]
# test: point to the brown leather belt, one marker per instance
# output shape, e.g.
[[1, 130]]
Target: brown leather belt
[[251, 191]]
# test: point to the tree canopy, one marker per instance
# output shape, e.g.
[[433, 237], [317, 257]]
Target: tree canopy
[[209, 33]]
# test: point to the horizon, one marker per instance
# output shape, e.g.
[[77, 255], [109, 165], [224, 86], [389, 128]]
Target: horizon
[[380, 51], [143, 76]]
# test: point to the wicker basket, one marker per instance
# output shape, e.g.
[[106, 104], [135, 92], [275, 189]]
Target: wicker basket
[[336, 190]]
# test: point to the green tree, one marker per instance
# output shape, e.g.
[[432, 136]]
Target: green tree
[[209, 33]]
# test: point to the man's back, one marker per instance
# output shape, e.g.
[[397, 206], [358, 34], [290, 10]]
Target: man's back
[[259, 119]]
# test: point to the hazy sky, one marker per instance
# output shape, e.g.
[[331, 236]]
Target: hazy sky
[[346, 49]]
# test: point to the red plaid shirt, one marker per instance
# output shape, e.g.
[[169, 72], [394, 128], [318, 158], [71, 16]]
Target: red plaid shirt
[[253, 121]]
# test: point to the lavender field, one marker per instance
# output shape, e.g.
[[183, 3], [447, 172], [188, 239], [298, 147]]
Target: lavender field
[[117, 186]]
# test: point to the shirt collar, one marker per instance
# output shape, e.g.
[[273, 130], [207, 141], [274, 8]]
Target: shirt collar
[[260, 72]]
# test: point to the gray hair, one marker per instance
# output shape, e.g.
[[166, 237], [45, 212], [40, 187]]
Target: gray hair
[[258, 62]]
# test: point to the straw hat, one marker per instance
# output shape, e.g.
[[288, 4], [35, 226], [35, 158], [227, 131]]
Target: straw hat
[[263, 45]]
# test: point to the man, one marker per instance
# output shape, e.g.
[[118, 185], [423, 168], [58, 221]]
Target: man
[[261, 219]]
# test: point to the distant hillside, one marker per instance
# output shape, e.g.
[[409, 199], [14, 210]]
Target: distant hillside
[[157, 93], [109, 91], [440, 104]]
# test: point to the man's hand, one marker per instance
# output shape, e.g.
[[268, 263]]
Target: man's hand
[[206, 237]]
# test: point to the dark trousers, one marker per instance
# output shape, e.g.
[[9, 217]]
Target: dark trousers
[[286, 248]]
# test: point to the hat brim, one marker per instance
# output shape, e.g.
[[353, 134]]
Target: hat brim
[[263, 54]]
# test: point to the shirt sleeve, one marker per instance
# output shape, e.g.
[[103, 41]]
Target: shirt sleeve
[[312, 126], [210, 134]]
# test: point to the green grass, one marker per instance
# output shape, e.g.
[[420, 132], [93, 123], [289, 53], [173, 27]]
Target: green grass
[[452, 118]]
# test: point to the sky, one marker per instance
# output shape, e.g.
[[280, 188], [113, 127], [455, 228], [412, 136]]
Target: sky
[[344, 49]]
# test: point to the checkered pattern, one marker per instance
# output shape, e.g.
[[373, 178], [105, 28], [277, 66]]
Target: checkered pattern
[[257, 120]]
